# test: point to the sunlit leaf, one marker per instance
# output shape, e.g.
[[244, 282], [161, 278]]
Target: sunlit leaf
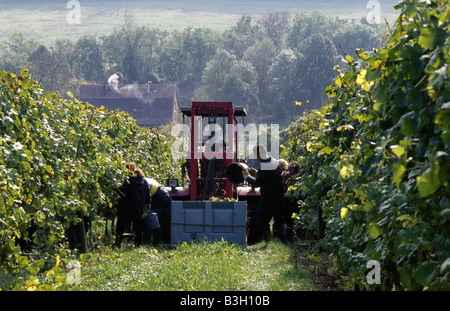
[[397, 178], [374, 230], [428, 37]]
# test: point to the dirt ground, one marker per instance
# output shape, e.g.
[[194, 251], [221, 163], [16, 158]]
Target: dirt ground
[[323, 273]]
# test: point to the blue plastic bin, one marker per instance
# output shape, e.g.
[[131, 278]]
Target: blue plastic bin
[[214, 221]]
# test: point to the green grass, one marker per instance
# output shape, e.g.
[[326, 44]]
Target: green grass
[[201, 266]]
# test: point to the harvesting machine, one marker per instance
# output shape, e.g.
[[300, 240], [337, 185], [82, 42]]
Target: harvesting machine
[[214, 147]]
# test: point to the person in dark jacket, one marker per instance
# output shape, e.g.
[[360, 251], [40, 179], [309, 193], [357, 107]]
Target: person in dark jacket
[[161, 203], [270, 182], [134, 195]]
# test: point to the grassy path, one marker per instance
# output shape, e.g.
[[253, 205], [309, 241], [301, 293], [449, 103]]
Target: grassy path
[[201, 266]]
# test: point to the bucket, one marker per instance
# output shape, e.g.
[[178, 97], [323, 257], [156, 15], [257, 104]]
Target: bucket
[[151, 222], [234, 172]]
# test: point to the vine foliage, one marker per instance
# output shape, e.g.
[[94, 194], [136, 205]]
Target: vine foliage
[[376, 156], [61, 161]]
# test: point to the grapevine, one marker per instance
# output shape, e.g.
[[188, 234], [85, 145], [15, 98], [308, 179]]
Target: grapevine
[[376, 156], [61, 162]]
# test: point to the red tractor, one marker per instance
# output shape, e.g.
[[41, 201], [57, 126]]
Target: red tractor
[[206, 170], [215, 152]]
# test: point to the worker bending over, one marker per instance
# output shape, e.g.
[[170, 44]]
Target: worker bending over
[[134, 195], [161, 203]]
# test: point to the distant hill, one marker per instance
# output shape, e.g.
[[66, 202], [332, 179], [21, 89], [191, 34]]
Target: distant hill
[[46, 20]]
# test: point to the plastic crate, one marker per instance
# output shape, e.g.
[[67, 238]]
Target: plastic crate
[[214, 221]]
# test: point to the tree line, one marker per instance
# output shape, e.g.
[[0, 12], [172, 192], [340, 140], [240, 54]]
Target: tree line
[[265, 65]]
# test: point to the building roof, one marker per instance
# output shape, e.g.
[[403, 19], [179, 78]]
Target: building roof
[[149, 104]]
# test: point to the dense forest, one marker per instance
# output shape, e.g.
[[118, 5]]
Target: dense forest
[[265, 65]]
